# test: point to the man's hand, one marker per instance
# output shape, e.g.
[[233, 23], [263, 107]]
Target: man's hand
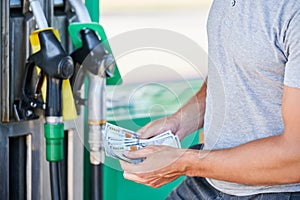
[[162, 165], [159, 126], [185, 121]]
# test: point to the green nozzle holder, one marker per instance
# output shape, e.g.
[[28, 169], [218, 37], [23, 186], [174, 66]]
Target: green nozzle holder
[[74, 30], [54, 134]]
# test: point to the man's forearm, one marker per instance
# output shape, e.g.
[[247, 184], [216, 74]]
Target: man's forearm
[[269, 161], [191, 115]]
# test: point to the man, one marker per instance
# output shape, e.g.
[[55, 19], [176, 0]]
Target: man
[[252, 141]]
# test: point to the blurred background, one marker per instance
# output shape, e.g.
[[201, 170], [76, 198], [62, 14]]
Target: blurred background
[[135, 5], [155, 82], [186, 17]]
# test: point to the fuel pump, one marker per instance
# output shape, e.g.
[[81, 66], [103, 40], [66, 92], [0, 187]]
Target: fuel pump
[[94, 56], [55, 67], [97, 65]]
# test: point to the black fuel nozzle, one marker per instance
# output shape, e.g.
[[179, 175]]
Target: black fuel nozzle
[[56, 66], [52, 58], [93, 56]]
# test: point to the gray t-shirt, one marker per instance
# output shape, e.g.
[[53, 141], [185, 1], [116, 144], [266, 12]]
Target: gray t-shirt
[[254, 50]]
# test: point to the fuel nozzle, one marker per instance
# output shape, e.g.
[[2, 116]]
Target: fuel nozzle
[[56, 66], [52, 58], [97, 65], [93, 56]]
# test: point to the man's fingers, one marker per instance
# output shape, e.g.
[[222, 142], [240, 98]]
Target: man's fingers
[[153, 128], [132, 177], [146, 132], [129, 167], [155, 181], [139, 179], [141, 153]]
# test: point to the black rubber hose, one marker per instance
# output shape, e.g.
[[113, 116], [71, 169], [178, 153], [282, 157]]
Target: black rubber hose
[[55, 181], [54, 97], [96, 182]]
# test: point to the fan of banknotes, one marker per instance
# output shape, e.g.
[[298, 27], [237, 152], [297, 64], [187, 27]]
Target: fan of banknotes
[[118, 140]]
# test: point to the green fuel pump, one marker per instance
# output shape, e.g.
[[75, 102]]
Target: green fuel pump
[[97, 66], [94, 55], [56, 67]]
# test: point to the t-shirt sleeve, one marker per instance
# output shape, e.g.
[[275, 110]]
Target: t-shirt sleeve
[[292, 40]]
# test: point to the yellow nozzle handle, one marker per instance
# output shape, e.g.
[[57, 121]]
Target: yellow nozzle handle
[[69, 109]]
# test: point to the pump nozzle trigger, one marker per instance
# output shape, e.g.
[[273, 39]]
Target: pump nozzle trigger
[[30, 97]]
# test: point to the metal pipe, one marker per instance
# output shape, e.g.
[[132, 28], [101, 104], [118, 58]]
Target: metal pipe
[[96, 117], [81, 11], [70, 164], [5, 81], [49, 14], [28, 167], [38, 14], [96, 99]]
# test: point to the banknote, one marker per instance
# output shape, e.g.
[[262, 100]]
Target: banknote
[[117, 140]]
